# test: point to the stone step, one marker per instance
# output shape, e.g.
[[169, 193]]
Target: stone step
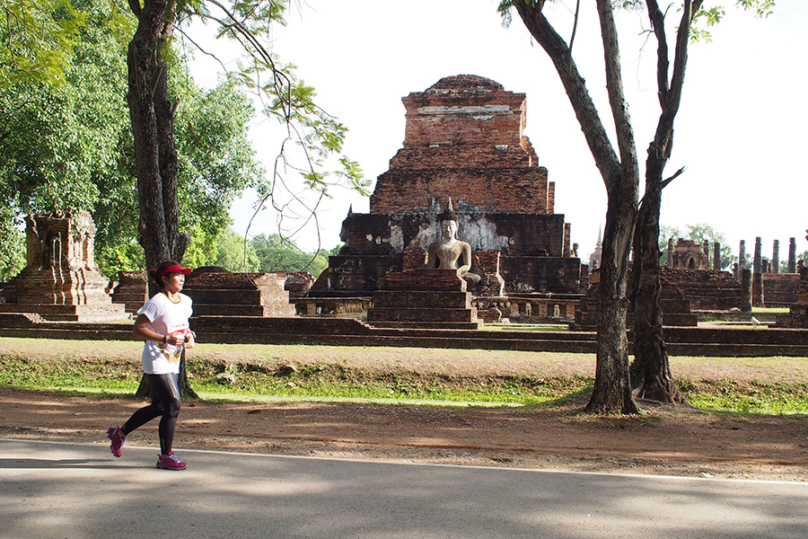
[[421, 299], [384, 314]]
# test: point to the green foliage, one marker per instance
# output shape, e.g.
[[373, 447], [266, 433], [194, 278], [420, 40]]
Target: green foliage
[[69, 147], [12, 244], [278, 254], [699, 233], [35, 40], [230, 253]]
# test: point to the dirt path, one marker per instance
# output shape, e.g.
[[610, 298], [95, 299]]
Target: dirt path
[[666, 441]]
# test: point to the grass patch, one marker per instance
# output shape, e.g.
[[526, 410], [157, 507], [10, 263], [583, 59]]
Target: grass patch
[[751, 398], [343, 382], [770, 310], [396, 375]]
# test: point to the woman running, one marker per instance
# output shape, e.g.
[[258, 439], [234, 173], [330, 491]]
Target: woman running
[[163, 323]]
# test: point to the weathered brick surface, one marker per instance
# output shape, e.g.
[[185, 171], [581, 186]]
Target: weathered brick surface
[[797, 316], [463, 141], [421, 299], [355, 274], [688, 255], [490, 190], [707, 289], [132, 290], [674, 302], [219, 292], [540, 274], [513, 234], [424, 280], [61, 280], [780, 289], [423, 296]]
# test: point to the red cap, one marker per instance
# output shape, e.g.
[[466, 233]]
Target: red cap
[[176, 268]]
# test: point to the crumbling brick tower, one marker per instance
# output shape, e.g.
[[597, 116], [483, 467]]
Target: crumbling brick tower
[[463, 140]]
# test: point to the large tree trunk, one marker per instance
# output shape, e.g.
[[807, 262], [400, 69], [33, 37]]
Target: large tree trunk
[[651, 366], [612, 391], [651, 356], [152, 117]]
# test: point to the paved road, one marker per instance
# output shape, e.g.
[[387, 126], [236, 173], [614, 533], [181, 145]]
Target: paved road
[[55, 490]]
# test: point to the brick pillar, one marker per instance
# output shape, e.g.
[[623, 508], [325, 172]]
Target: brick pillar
[[742, 256], [717, 256], [566, 246], [792, 255], [550, 198], [757, 268], [757, 290], [776, 257], [746, 287]]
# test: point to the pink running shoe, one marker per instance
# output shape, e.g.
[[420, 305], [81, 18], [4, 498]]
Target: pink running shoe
[[117, 440], [170, 462]]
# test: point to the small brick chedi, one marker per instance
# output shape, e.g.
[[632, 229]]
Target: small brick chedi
[[463, 141], [61, 281]]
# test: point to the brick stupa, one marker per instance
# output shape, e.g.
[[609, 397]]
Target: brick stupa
[[463, 141], [61, 281]]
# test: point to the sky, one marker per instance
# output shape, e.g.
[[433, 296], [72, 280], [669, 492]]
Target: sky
[[741, 132]]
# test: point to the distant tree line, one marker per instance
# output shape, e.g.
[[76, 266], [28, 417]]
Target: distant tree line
[[701, 233], [265, 254]]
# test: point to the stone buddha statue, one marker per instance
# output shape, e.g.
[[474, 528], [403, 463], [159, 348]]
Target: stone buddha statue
[[449, 252]]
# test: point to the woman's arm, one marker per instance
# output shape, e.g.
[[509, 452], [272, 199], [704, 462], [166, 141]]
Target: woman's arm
[[141, 331]]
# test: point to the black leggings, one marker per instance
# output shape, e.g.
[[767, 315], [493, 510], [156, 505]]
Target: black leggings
[[165, 402]]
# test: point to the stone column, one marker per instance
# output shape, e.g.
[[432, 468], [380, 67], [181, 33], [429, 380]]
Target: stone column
[[776, 257], [792, 255], [742, 256], [757, 290], [717, 256], [746, 287], [669, 261], [706, 250], [758, 257]]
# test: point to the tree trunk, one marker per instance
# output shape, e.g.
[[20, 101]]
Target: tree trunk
[[651, 366], [651, 360], [612, 390], [152, 116]]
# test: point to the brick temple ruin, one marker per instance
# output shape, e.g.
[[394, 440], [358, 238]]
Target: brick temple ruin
[[696, 272], [61, 282], [463, 141]]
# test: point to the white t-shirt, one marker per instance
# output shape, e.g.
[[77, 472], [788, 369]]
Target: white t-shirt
[[166, 318]]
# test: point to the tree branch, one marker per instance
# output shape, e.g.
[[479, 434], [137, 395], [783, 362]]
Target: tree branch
[[553, 44]]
